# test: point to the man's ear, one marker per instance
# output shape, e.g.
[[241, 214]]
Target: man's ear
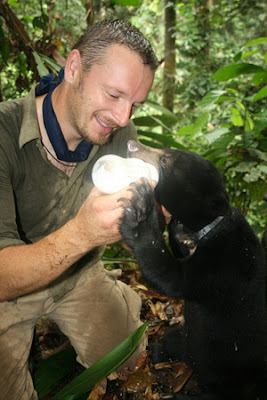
[[73, 67]]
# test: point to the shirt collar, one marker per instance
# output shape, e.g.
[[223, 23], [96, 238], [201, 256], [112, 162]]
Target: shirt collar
[[29, 128]]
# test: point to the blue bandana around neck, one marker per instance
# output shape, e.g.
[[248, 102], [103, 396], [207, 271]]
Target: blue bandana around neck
[[47, 85]]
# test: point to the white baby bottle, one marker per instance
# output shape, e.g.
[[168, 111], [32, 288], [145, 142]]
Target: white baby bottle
[[112, 173]]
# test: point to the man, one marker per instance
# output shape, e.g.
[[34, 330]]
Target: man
[[54, 223]]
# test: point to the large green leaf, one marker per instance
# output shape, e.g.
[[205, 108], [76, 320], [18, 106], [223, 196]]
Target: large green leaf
[[262, 93], [158, 140], [42, 60], [52, 64], [154, 120], [145, 121], [42, 70], [210, 99], [150, 143], [161, 123], [256, 41], [249, 53], [236, 117], [216, 134], [260, 77], [162, 109], [222, 142], [232, 71], [194, 129], [101, 368]]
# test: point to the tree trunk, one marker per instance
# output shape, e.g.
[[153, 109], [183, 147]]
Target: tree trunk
[[15, 24], [89, 12], [169, 50], [203, 24]]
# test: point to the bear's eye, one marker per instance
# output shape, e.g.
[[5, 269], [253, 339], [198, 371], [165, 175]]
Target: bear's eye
[[163, 161]]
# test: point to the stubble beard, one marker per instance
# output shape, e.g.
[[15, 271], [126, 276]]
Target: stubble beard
[[100, 140], [82, 129]]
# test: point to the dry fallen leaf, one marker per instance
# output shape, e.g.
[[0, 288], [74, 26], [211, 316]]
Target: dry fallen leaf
[[141, 360], [98, 391], [114, 375], [183, 373], [158, 309]]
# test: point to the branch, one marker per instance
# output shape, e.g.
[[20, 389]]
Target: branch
[[15, 24]]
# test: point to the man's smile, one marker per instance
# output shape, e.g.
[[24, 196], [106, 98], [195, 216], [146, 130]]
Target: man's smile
[[110, 125]]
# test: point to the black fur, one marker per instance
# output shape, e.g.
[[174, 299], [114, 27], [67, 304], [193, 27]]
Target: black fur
[[223, 338]]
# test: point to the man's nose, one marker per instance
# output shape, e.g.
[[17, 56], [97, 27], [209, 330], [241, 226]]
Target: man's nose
[[122, 113]]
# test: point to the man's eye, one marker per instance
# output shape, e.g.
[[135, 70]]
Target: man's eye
[[113, 96]]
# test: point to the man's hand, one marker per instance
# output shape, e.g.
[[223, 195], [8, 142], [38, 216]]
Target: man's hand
[[100, 215]]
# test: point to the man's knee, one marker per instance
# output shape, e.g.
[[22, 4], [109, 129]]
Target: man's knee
[[97, 315]]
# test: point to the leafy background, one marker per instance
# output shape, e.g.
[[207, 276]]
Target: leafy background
[[209, 94]]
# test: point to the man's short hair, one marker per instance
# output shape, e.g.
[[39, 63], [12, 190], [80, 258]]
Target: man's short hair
[[98, 37]]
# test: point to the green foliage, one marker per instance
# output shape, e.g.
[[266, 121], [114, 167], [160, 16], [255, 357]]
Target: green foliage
[[207, 36], [45, 64], [149, 126], [233, 121], [26, 50]]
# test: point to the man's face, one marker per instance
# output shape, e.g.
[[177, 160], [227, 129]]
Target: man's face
[[106, 96]]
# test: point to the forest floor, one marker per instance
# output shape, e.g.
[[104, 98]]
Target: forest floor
[[146, 381]]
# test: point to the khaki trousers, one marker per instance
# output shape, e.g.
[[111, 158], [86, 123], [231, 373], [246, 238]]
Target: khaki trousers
[[96, 315]]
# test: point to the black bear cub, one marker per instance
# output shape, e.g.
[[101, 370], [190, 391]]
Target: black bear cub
[[214, 261]]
